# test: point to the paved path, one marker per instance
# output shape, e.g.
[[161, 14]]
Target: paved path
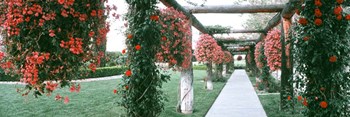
[[82, 80], [237, 99]]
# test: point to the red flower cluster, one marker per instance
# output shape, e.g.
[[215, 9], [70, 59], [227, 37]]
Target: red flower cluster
[[323, 104], [30, 70], [303, 21], [51, 86], [138, 47], [318, 3], [318, 12], [128, 73], [318, 22], [154, 17], [333, 59], [74, 45], [338, 10], [92, 66]]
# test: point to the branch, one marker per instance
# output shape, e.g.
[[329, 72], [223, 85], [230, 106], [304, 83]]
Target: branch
[[237, 9]]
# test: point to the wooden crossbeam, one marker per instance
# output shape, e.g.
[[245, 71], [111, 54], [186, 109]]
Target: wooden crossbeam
[[177, 6], [237, 9], [242, 31], [228, 40]]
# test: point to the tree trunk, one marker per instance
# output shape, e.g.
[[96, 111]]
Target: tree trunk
[[186, 91], [220, 69], [208, 82]]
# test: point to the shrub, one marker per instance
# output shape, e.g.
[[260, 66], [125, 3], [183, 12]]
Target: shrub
[[199, 67]]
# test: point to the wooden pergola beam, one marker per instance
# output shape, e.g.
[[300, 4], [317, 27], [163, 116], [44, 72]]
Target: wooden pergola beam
[[272, 23], [237, 8], [242, 31], [177, 6], [289, 10], [231, 40]]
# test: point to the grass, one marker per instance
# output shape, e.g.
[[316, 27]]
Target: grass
[[97, 99], [271, 107]]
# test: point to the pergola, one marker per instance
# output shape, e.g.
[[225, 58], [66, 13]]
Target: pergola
[[284, 13]]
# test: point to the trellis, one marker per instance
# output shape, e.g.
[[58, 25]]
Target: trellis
[[283, 15]]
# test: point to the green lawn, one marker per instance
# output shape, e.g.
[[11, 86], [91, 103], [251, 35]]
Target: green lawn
[[271, 106], [97, 99]]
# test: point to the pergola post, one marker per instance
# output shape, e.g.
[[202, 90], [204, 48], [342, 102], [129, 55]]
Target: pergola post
[[186, 86], [286, 68]]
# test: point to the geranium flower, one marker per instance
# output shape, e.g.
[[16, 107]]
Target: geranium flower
[[318, 21], [323, 104], [339, 17], [115, 91], [318, 3], [123, 51], [61, 1], [303, 21], [58, 97], [93, 13], [129, 36], [306, 38], [305, 102], [288, 98], [347, 17], [126, 87], [340, 1], [333, 59], [300, 98], [138, 47], [318, 13], [128, 73], [338, 10], [154, 17]]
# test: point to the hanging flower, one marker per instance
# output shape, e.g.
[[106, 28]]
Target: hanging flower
[[126, 87], [128, 73], [318, 21], [129, 36], [318, 3], [323, 104], [288, 98], [137, 47], [164, 38], [333, 59], [306, 38], [300, 98], [338, 10], [115, 91], [303, 21], [318, 12], [61, 1]]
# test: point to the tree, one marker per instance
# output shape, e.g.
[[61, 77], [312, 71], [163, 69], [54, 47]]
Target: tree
[[39, 48], [322, 55], [206, 52]]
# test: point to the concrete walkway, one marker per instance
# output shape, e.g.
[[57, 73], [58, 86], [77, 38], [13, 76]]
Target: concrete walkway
[[237, 99]]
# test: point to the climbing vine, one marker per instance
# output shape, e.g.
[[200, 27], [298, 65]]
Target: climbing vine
[[141, 83], [322, 57]]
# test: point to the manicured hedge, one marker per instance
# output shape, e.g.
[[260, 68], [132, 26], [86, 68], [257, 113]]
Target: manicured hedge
[[100, 72]]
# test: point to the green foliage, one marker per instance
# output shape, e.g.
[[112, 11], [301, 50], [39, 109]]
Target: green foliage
[[114, 59], [322, 57], [265, 70], [140, 89]]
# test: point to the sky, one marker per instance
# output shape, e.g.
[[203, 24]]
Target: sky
[[115, 38]]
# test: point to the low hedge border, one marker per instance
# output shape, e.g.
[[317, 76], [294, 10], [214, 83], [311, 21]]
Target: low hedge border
[[100, 72]]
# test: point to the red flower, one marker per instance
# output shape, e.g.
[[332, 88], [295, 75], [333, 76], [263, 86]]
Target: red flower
[[340, 1], [123, 51], [303, 21], [333, 59], [52, 33], [318, 3], [92, 67], [323, 104], [115, 91], [58, 97], [305, 102], [72, 88], [318, 13], [50, 86], [126, 87], [93, 13], [66, 100], [137, 47], [129, 36], [306, 38], [91, 33], [128, 73], [78, 88], [164, 38], [339, 17], [338, 10], [347, 17], [61, 1], [300, 98], [289, 98], [154, 17], [318, 21]]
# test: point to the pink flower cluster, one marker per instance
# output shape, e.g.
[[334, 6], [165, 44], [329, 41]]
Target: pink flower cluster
[[257, 54], [207, 50], [273, 48], [175, 42], [228, 57]]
